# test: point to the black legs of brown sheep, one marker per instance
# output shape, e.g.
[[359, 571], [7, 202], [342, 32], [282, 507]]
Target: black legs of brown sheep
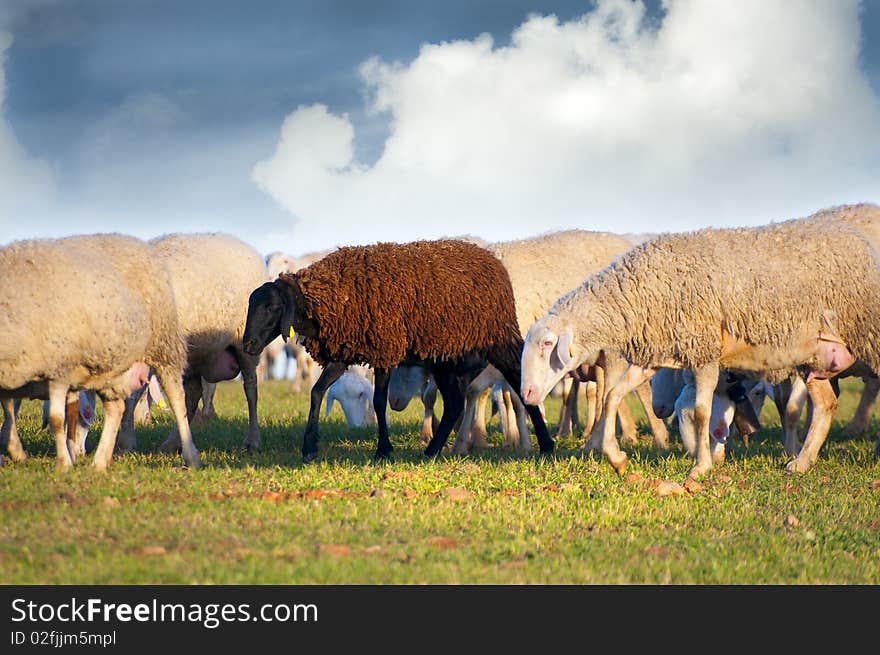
[[328, 376], [381, 377], [446, 377]]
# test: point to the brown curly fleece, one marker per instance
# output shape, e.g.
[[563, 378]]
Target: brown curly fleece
[[382, 304]]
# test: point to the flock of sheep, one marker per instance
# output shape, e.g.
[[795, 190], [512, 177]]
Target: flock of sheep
[[715, 319]]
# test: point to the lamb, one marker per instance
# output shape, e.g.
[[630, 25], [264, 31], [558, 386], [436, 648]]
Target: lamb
[[667, 303], [721, 415], [364, 305], [107, 346], [667, 385], [354, 393], [408, 381], [212, 276]]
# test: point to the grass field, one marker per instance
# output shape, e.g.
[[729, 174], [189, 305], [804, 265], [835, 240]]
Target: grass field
[[492, 517]]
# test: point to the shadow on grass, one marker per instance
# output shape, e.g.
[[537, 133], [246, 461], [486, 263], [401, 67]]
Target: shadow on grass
[[221, 443]]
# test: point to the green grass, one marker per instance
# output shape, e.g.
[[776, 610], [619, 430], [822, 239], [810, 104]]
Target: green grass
[[492, 517]]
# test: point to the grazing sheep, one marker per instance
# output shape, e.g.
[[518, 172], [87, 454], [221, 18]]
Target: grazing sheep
[[106, 345], [667, 303], [721, 415], [667, 385], [539, 275], [354, 393], [366, 305], [409, 381], [212, 276]]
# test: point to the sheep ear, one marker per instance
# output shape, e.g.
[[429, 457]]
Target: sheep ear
[[564, 350]]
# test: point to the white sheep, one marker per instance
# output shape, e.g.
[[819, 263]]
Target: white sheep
[[667, 303], [354, 393], [540, 271], [409, 381], [721, 414], [107, 345], [212, 276]]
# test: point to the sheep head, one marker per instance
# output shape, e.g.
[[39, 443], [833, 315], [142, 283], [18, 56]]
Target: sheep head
[[550, 352]]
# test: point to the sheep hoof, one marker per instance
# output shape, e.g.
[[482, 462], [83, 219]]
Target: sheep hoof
[[62, 465], [877, 449], [619, 463], [698, 471], [797, 465], [252, 444], [310, 456], [383, 456]]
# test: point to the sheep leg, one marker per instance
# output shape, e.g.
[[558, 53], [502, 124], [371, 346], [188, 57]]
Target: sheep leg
[[516, 419], [71, 422], [794, 407], [573, 414], [465, 435], [248, 366], [192, 390], [9, 432], [126, 439], [859, 422], [328, 376], [705, 379], [206, 412], [824, 405], [57, 404], [479, 434], [563, 426], [172, 386], [627, 422], [590, 389], [429, 399], [513, 378], [381, 378], [633, 377], [606, 377], [453, 404], [658, 427], [113, 411]]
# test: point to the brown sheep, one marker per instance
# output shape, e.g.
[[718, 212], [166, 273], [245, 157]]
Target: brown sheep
[[365, 305]]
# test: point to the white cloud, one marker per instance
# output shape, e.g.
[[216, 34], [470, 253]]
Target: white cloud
[[26, 183], [723, 114]]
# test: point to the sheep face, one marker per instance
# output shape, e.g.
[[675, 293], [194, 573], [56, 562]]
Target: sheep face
[[549, 353], [266, 307], [666, 385], [406, 382]]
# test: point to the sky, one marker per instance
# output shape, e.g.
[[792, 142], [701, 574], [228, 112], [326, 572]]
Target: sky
[[300, 126]]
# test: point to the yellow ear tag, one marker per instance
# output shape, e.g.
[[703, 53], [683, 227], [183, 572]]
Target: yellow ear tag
[[160, 403], [570, 351], [292, 334]]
